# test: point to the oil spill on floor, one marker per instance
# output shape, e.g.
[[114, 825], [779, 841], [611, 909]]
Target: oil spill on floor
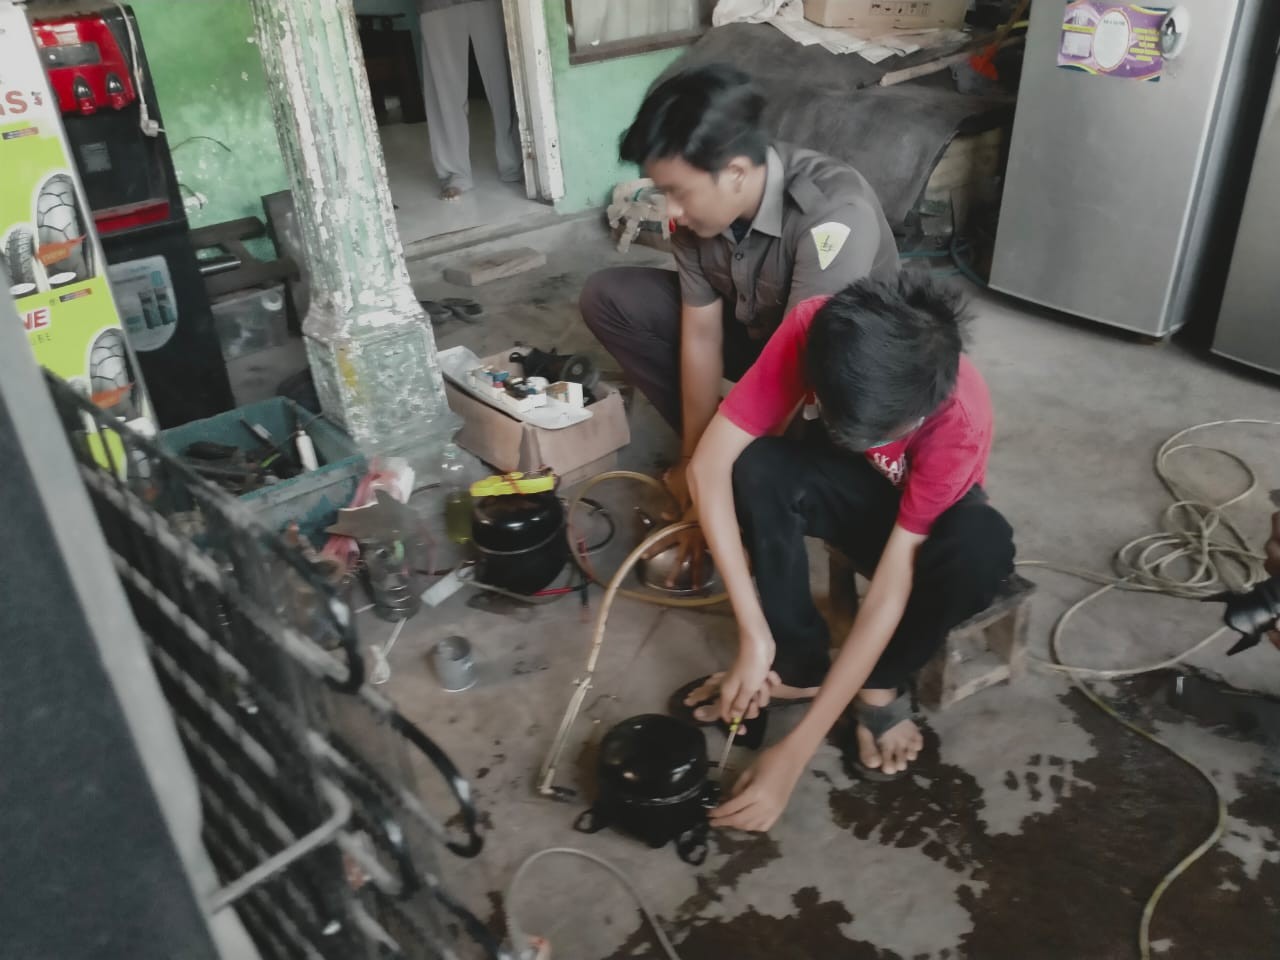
[[744, 854], [1072, 883], [811, 932], [1211, 702]]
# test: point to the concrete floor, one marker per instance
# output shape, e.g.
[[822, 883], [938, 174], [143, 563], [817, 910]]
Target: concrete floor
[[420, 212], [1034, 827]]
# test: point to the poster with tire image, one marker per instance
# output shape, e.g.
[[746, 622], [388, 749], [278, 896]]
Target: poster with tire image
[[51, 262]]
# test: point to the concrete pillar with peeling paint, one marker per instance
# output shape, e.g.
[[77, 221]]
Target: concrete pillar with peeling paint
[[369, 344]]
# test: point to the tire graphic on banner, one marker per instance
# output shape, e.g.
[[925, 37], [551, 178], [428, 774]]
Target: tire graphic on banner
[[63, 228], [111, 378], [20, 259]]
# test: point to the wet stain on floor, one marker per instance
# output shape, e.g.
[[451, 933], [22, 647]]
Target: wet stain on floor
[[1220, 905], [745, 854], [1071, 883], [811, 932], [933, 809], [497, 919]]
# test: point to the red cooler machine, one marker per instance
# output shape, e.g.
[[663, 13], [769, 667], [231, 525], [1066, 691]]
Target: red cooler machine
[[98, 71]]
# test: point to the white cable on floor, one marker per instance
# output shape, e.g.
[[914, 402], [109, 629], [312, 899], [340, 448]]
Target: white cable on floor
[[518, 942], [1142, 565], [1195, 530]]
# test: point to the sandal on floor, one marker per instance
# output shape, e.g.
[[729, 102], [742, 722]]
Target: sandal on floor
[[468, 311], [437, 312], [879, 720], [750, 732]]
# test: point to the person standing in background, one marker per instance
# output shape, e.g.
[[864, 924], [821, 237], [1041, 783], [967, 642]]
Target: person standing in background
[[449, 29]]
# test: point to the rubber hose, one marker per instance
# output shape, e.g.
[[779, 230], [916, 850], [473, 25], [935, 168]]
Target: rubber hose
[[641, 595]]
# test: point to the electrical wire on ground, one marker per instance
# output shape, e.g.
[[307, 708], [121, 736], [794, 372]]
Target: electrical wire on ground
[[1196, 533], [517, 937], [546, 776], [1215, 556]]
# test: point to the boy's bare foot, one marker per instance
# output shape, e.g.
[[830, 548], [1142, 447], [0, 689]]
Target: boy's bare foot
[[451, 193], [897, 747], [710, 712]]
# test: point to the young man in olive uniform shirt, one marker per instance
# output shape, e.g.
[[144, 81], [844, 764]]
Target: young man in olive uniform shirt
[[760, 228]]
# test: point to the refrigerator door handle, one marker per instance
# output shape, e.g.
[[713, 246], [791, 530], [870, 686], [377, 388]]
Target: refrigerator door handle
[[1173, 32]]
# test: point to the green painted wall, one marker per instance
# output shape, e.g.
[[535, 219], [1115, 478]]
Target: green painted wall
[[595, 102], [209, 82]]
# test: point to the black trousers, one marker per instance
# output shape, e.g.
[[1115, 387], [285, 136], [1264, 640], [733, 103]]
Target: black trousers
[[635, 313], [786, 489]]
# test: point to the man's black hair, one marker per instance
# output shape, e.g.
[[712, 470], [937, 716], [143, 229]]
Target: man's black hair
[[705, 115], [881, 355]]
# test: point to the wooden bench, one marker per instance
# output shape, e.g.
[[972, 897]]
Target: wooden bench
[[988, 648]]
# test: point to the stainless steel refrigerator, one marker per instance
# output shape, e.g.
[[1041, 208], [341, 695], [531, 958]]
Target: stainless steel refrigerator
[[1114, 181], [1249, 321]]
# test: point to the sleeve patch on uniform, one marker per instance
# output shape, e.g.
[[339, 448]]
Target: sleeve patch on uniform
[[829, 238]]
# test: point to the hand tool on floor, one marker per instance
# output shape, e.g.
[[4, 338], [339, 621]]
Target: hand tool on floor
[[715, 790], [1252, 615]]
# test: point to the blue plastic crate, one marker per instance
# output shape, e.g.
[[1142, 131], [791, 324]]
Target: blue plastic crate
[[311, 500]]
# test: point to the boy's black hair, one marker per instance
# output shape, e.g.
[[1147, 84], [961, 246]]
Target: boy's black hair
[[705, 115], [881, 355]]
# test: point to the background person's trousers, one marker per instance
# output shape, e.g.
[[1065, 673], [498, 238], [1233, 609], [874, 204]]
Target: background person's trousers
[[786, 489], [635, 313], [446, 36]]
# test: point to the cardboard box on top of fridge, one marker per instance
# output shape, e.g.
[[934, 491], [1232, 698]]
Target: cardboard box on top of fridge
[[575, 452], [871, 17]]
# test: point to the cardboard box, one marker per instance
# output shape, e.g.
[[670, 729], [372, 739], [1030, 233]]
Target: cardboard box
[[510, 444], [870, 17]]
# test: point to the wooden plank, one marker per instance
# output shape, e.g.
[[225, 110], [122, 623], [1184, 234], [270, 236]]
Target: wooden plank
[[495, 266]]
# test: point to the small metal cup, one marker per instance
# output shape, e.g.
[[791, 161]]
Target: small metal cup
[[453, 663]]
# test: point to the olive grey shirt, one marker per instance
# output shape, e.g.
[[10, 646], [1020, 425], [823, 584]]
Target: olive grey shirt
[[819, 228]]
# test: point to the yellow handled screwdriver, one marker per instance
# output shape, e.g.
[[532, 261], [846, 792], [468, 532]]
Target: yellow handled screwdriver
[[728, 744]]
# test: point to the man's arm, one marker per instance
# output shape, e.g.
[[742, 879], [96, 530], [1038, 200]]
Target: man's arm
[[711, 483], [762, 793], [701, 370], [820, 272]]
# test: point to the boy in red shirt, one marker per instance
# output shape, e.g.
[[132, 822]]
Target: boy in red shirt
[[895, 483]]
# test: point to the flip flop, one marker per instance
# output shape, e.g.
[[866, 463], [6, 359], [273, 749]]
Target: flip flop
[[750, 732], [879, 720], [468, 311], [438, 312]]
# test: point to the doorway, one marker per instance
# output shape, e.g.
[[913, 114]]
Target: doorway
[[390, 33]]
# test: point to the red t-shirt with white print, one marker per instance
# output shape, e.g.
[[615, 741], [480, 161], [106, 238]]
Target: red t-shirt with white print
[[935, 465]]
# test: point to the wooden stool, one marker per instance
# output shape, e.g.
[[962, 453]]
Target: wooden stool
[[988, 648]]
